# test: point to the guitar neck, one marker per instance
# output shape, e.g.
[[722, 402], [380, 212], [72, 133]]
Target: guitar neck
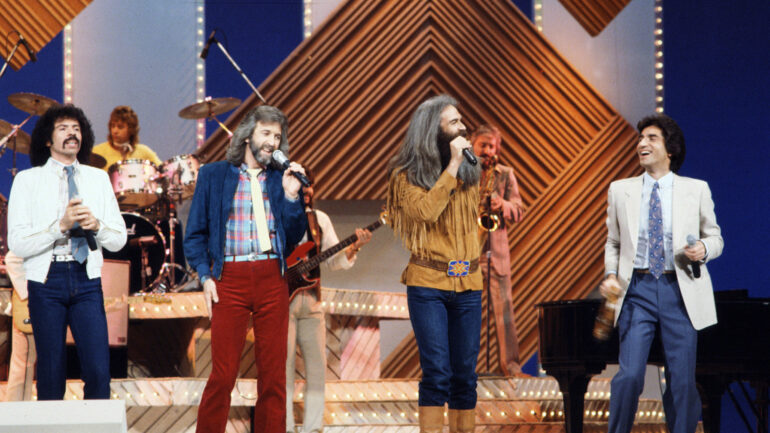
[[314, 261]]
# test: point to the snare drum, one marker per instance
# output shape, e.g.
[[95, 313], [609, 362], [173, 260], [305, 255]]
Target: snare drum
[[142, 235], [134, 182], [181, 173]]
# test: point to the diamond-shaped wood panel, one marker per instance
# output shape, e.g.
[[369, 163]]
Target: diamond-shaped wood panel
[[350, 89], [594, 15]]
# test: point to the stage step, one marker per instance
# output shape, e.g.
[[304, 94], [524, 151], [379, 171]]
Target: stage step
[[505, 404]]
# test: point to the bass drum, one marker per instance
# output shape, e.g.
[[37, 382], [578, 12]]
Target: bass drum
[[143, 236]]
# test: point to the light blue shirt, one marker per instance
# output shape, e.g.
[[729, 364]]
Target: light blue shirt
[[666, 193]]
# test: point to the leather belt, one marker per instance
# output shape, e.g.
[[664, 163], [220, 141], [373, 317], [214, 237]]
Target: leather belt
[[453, 268], [647, 271], [251, 257], [62, 258]]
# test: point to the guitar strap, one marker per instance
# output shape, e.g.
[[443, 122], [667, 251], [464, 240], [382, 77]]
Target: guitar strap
[[314, 234]]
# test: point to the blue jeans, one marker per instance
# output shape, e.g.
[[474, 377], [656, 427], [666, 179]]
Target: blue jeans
[[447, 326], [68, 297]]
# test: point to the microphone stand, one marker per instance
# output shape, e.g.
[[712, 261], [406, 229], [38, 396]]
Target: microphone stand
[[487, 246], [10, 56], [240, 71]]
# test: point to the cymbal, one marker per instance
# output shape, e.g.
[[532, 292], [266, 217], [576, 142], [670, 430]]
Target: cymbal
[[96, 160], [31, 103], [209, 107], [22, 138]]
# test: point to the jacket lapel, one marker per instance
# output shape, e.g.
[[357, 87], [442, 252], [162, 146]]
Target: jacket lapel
[[633, 206], [229, 185]]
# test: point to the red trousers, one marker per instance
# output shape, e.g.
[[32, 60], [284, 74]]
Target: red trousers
[[248, 289]]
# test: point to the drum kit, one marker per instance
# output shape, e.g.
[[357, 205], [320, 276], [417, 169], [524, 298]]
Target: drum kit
[[148, 197]]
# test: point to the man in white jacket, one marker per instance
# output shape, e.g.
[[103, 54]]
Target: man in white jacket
[[60, 214], [661, 231]]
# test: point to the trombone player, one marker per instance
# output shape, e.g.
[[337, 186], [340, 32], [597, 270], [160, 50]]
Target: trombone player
[[500, 206]]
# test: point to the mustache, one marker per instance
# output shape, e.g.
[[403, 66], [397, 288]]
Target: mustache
[[72, 137]]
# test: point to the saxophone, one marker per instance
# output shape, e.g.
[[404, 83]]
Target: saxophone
[[488, 221]]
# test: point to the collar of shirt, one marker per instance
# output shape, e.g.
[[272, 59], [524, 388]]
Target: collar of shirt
[[666, 182], [58, 168]]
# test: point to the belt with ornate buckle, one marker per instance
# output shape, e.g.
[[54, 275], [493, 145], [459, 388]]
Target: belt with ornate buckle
[[453, 268]]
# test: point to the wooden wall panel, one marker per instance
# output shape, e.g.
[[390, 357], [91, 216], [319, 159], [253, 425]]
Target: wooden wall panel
[[594, 15], [349, 92], [38, 20]]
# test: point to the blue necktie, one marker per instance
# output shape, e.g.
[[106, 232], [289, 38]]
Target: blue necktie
[[655, 234], [79, 244]]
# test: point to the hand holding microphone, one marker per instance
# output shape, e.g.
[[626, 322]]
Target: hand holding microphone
[[284, 163], [695, 253]]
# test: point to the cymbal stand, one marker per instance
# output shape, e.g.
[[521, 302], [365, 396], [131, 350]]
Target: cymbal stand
[[166, 280], [240, 71]]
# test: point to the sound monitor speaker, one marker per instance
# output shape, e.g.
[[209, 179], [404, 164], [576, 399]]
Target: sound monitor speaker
[[71, 416]]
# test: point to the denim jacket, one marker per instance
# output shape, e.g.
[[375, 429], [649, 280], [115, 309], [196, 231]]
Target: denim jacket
[[204, 243]]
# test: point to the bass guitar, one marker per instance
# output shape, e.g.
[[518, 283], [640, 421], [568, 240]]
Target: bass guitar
[[300, 264]]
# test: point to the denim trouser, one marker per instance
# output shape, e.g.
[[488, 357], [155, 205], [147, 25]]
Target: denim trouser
[[69, 297], [447, 326]]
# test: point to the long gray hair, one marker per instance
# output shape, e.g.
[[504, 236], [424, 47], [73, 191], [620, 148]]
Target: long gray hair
[[419, 154], [244, 131]]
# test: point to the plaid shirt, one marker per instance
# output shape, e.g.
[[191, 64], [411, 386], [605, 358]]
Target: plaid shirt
[[241, 237]]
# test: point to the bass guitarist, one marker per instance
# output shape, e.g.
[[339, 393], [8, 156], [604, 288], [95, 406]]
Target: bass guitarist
[[307, 326]]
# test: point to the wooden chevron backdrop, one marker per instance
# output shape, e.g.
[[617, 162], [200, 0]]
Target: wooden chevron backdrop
[[350, 89], [38, 20], [594, 15]]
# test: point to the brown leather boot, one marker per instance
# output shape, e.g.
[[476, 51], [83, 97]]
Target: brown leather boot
[[431, 419], [462, 421]]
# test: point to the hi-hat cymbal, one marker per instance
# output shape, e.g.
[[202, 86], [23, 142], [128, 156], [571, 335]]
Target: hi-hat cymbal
[[96, 160], [22, 138], [209, 107], [31, 103]]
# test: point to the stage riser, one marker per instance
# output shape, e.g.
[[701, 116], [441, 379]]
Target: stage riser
[[505, 404]]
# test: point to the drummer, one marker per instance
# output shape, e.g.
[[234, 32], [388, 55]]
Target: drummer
[[123, 140]]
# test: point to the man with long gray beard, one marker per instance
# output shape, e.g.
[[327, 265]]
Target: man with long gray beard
[[433, 196], [244, 214]]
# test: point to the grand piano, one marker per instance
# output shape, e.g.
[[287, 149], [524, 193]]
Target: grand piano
[[736, 349]]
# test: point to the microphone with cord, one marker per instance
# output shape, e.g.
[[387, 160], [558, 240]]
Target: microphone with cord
[[205, 50], [30, 53], [691, 240], [283, 162]]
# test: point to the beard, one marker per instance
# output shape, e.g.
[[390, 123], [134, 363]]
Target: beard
[[265, 161], [444, 138]]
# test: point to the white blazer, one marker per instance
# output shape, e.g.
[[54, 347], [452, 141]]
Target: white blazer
[[693, 213]]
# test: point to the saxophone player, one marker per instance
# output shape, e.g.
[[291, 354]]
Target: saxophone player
[[501, 191]]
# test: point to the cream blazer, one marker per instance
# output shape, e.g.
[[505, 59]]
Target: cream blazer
[[693, 213]]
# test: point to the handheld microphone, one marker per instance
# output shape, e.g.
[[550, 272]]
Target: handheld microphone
[[691, 240], [205, 50], [30, 53], [88, 234], [283, 161], [469, 156]]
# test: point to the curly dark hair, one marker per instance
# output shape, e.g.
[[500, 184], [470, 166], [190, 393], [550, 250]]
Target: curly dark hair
[[672, 135], [42, 134]]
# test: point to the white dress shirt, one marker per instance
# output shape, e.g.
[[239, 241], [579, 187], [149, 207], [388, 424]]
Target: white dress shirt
[[665, 192], [35, 209]]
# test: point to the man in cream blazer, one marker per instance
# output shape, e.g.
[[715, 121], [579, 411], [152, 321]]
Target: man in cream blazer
[[649, 262]]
